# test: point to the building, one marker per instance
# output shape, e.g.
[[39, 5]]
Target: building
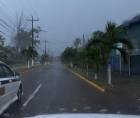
[[133, 32]]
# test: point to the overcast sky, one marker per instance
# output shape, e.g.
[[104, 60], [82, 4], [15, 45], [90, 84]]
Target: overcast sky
[[67, 19]]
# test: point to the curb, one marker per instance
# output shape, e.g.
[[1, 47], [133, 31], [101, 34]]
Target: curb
[[24, 69], [88, 81]]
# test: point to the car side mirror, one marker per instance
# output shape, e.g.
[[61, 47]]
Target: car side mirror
[[16, 73]]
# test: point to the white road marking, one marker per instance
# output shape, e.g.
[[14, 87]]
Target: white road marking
[[32, 95], [103, 110], [61, 109], [138, 99], [74, 109], [87, 108], [118, 112]]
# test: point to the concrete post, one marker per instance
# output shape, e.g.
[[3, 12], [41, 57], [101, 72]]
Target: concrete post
[[129, 64], [109, 74], [120, 63]]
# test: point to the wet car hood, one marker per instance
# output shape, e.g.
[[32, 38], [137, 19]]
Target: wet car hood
[[85, 116]]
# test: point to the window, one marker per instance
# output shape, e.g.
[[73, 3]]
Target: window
[[1, 72], [7, 71]]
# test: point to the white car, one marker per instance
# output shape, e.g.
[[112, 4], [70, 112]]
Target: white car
[[87, 115], [10, 87]]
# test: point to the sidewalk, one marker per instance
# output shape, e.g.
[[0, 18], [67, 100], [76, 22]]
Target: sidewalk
[[126, 84], [23, 68], [123, 84]]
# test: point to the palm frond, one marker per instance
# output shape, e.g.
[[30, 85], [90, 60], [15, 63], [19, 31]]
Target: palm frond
[[110, 27], [125, 42], [123, 53], [96, 39], [93, 43]]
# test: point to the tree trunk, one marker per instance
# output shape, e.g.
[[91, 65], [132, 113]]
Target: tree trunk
[[32, 62], [96, 76], [87, 69], [120, 63], [97, 72], [109, 73], [129, 66], [28, 64]]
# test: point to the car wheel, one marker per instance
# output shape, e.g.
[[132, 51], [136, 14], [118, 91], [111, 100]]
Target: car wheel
[[19, 94]]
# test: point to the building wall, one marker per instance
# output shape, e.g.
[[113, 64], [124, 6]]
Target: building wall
[[134, 35], [134, 64]]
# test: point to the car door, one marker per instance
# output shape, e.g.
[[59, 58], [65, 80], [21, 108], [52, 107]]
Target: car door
[[13, 85], [8, 87], [3, 88]]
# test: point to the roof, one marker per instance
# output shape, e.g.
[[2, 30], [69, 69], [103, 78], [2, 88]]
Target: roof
[[134, 21]]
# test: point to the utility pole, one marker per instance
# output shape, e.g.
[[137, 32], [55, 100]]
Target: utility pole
[[45, 51], [32, 20], [45, 47], [84, 40]]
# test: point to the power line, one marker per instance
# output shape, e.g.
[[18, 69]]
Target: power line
[[5, 27], [5, 23], [8, 15]]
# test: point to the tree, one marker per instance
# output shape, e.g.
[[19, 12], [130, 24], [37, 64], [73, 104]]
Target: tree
[[108, 41], [77, 43], [93, 54], [94, 50], [29, 54], [69, 54], [2, 40], [44, 58], [22, 40]]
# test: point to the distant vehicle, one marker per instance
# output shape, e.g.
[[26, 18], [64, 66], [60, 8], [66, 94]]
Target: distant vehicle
[[10, 87], [37, 62]]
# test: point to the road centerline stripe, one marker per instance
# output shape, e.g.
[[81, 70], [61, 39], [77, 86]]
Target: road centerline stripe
[[32, 95]]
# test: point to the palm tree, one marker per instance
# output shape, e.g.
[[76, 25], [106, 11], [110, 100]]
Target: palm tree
[[111, 43], [93, 50], [113, 40], [110, 40], [77, 43]]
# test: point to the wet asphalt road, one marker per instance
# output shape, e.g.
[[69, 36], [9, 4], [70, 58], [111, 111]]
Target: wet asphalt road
[[54, 89]]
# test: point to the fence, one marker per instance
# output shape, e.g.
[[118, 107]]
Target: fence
[[133, 66]]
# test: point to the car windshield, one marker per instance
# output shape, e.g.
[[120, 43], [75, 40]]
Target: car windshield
[[69, 57]]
